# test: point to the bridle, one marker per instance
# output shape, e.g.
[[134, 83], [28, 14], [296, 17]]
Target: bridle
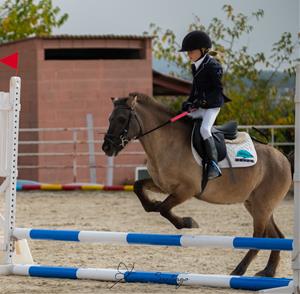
[[123, 138]]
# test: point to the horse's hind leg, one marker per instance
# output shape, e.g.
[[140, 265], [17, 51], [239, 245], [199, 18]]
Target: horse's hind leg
[[272, 231], [244, 264], [259, 224], [140, 188]]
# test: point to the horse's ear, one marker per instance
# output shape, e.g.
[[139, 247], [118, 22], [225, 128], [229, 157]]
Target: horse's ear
[[132, 101]]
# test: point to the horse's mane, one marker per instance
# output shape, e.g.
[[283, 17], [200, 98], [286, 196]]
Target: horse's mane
[[145, 99]]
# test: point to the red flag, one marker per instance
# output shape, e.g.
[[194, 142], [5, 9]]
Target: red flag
[[11, 60]]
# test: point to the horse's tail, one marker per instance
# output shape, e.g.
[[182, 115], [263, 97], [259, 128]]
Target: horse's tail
[[291, 157]]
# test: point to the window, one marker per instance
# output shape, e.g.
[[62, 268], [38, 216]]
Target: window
[[92, 53]]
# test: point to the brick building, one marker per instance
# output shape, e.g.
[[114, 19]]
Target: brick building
[[66, 77]]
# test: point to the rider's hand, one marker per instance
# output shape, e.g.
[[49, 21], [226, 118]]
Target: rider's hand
[[186, 105]]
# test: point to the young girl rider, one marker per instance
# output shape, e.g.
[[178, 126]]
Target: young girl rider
[[206, 97]]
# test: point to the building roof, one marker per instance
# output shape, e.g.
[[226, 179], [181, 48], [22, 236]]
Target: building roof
[[108, 36], [166, 85], [83, 37]]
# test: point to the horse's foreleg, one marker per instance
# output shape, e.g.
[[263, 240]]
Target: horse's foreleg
[[179, 222], [139, 188]]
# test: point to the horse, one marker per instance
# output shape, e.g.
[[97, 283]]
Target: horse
[[174, 171]]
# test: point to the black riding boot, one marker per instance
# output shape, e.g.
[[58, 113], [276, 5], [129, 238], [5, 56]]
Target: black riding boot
[[212, 154]]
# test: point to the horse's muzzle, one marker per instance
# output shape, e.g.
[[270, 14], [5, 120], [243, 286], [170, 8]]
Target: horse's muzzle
[[108, 149]]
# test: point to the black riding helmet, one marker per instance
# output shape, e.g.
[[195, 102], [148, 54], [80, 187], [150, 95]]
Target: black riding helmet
[[195, 40]]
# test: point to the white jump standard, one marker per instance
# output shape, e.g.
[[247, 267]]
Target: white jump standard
[[9, 124]]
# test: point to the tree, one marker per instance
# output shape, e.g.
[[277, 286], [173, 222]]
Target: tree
[[254, 93], [25, 18]]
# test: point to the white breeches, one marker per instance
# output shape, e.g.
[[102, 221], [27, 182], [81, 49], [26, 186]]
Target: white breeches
[[208, 119]]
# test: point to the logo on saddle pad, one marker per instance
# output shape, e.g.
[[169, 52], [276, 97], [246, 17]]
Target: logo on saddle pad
[[244, 155], [240, 152]]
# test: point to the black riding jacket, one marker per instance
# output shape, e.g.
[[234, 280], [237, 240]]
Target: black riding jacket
[[207, 89]]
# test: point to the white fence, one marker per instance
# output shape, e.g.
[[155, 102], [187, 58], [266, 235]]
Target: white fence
[[90, 154], [272, 129]]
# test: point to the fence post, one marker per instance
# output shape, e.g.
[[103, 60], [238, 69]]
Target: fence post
[[74, 156], [110, 171], [92, 158], [272, 137]]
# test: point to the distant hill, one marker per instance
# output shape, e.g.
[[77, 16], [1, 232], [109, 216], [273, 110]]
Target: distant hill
[[288, 83], [165, 67]]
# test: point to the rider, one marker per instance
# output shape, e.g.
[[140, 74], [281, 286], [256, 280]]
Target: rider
[[206, 97]]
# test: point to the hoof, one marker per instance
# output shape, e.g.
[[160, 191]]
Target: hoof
[[189, 223], [265, 273], [238, 271]]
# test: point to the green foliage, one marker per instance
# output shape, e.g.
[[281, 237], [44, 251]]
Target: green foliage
[[255, 97], [26, 18]]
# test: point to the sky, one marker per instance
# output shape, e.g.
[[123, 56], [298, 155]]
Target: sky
[[133, 17]]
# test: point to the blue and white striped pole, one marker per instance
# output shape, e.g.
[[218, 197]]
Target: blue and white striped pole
[[178, 279], [155, 239]]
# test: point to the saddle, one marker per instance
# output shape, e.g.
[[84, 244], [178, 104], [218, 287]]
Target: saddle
[[220, 133]]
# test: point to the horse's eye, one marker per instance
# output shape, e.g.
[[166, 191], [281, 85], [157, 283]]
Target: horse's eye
[[121, 120]]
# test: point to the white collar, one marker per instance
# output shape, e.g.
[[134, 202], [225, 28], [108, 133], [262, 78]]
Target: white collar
[[198, 62]]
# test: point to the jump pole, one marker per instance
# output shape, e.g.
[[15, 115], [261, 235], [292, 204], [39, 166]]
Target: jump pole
[[123, 238], [176, 279]]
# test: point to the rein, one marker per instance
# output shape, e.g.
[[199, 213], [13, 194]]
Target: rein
[[123, 139], [171, 120]]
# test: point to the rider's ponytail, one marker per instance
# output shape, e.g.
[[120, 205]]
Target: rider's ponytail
[[216, 55]]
